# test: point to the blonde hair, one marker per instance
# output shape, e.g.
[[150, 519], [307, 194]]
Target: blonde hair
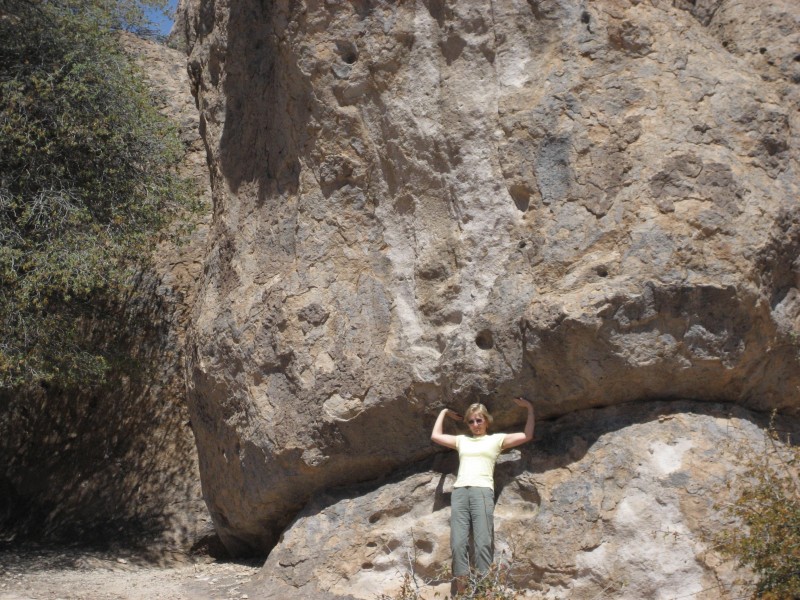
[[479, 409]]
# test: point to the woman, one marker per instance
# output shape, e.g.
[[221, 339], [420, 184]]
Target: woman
[[472, 502]]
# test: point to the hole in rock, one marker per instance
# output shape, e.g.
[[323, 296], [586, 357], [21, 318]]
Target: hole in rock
[[424, 545], [366, 565], [773, 146], [484, 340], [371, 544], [585, 17], [797, 58], [602, 271], [762, 50], [347, 51], [375, 518], [521, 196]]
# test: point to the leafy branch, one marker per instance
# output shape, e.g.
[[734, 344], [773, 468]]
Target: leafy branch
[[767, 505], [87, 182]]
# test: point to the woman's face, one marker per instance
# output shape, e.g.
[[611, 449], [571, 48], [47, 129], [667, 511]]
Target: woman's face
[[477, 423]]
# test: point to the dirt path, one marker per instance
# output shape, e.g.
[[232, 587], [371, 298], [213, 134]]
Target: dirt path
[[90, 575]]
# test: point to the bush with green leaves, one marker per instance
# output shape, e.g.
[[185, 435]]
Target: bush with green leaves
[[767, 506], [87, 180]]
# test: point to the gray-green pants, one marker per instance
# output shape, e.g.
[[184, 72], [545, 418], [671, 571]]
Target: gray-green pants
[[472, 506]]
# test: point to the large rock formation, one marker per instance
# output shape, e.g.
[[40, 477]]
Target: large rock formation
[[621, 502], [423, 204]]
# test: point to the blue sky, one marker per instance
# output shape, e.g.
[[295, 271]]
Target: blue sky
[[162, 23]]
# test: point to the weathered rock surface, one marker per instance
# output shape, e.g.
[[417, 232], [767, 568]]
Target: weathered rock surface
[[428, 203], [607, 503]]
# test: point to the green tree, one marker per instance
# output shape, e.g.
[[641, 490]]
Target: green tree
[[87, 180], [765, 534]]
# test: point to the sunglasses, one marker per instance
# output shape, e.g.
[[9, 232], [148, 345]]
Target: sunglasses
[[475, 421]]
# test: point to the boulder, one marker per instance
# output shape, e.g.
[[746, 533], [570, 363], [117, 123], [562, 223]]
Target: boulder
[[425, 204], [620, 502]]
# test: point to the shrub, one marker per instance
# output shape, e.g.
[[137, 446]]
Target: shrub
[[768, 506], [493, 585], [87, 181]]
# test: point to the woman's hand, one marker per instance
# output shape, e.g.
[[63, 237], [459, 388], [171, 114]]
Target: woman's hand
[[515, 439], [438, 435], [523, 402], [453, 414]]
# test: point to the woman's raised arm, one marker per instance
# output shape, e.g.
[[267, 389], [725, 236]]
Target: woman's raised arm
[[438, 436], [517, 439]]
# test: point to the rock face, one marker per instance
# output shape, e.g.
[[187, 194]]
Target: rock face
[[424, 204], [610, 503]]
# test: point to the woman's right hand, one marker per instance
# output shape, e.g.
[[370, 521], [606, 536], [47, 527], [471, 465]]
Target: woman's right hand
[[453, 414], [438, 435]]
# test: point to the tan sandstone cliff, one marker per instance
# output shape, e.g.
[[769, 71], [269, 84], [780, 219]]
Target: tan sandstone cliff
[[421, 204]]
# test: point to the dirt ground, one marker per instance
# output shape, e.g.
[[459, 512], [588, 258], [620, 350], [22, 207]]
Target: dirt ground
[[79, 574]]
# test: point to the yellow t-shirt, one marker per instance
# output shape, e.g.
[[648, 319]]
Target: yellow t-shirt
[[476, 458]]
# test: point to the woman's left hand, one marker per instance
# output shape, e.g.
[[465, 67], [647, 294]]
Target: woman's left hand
[[523, 402], [515, 439]]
